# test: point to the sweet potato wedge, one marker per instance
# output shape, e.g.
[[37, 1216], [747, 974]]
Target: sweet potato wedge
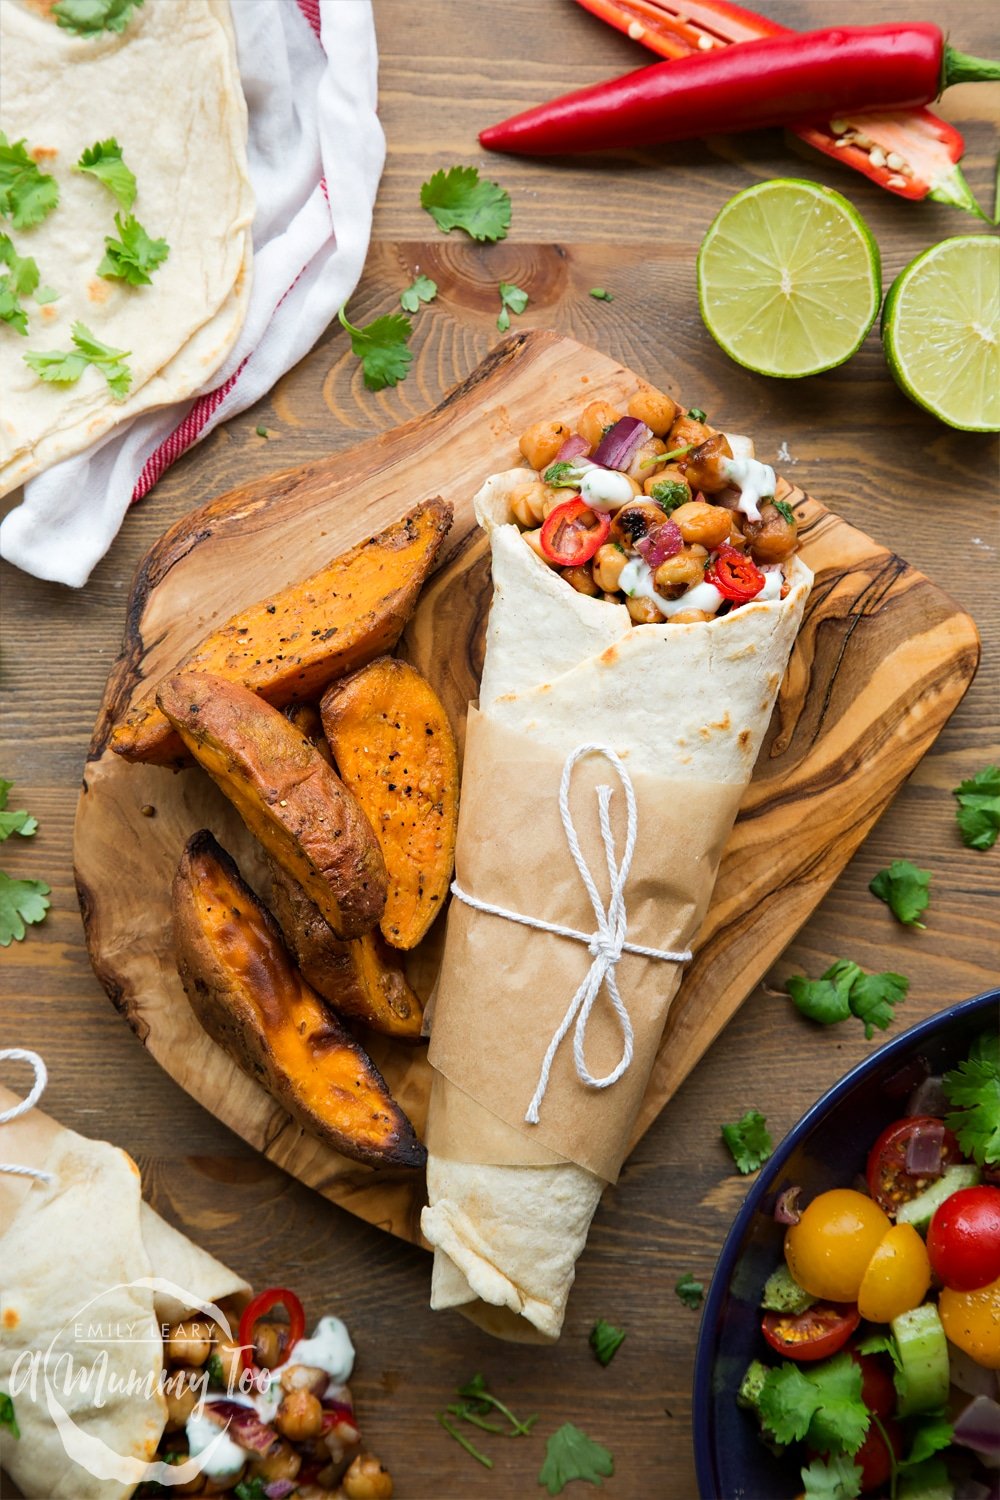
[[393, 746], [253, 1002], [360, 978], [287, 648], [285, 793]]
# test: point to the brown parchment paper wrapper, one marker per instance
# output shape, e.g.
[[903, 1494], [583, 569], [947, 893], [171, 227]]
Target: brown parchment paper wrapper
[[74, 1255], [504, 987]]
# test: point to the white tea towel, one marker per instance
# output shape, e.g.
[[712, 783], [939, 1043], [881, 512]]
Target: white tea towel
[[316, 150]]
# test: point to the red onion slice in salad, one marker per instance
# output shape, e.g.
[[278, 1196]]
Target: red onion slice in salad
[[618, 447], [978, 1428], [575, 446], [245, 1427], [971, 1377], [786, 1210], [929, 1098], [662, 542], [925, 1150], [279, 1488]]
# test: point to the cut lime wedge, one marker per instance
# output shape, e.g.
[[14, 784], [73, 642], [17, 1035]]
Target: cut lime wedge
[[941, 331], [789, 278]]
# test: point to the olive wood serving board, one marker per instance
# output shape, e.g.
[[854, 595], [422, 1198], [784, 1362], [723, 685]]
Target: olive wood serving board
[[882, 660]]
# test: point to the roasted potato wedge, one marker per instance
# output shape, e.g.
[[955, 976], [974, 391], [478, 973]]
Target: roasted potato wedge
[[393, 746], [253, 1002], [361, 978], [285, 793], [287, 648]]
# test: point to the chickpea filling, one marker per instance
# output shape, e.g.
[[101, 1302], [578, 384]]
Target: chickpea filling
[[268, 1408], [696, 530]]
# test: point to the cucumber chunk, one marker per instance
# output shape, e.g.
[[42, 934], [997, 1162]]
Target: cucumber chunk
[[920, 1210], [923, 1356]]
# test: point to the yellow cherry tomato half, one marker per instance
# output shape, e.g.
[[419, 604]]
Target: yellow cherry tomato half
[[897, 1278], [972, 1321], [828, 1250]]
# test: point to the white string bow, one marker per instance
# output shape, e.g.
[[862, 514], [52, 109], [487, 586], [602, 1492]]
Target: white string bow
[[21, 1054], [606, 943]]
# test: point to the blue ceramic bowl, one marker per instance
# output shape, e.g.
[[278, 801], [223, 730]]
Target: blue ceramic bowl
[[827, 1148]]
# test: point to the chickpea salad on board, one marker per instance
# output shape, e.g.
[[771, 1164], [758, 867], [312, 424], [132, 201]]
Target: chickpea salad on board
[[656, 509]]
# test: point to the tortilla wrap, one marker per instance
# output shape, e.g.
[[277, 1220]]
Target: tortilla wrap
[[168, 90], [78, 1257], [685, 706]]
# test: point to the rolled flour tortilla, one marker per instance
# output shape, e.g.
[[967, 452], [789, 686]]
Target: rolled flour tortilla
[[167, 88], [678, 702], [73, 1256]]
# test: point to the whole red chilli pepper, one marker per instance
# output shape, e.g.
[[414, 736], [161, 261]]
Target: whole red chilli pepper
[[788, 79]]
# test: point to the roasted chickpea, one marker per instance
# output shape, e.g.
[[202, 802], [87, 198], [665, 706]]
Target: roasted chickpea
[[607, 566], [526, 503], [188, 1344], [643, 611], [657, 410], [690, 617], [705, 468], [541, 442], [634, 521], [772, 537], [581, 579], [280, 1462], [534, 541], [300, 1416], [683, 569], [595, 420], [554, 497], [367, 1479], [304, 1378], [686, 430], [668, 483], [701, 522], [651, 448], [181, 1391], [268, 1343]]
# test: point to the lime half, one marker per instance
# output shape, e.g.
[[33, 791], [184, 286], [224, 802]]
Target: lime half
[[941, 331], [789, 278]]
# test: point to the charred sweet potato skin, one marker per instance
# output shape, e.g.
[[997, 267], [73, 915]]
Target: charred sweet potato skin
[[394, 747], [361, 978], [288, 647], [253, 1002], [285, 792]]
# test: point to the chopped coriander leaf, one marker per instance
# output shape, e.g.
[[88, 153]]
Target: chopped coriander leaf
[[513, 299], [91, 17], [820, 1404], [563, 475], [600, 295], [104, 161], [460, 199], [262, 431], [475, 1391], [836, 1478], [423, 289], [11, 311], [14, 822], [670, 494], [251, 1489], [7, 1417], [785, 511], [748, 1141], [22, 903], [905, 889], [978, 811], [65, 368], [381, 348], [934, 1434], [216, 1374], [47, 294], [974, 1089], [27, 194], [690, 1291], [24, 276], [606, 1340], [696, 414], [570, 1454], [844, 990], [132, 257]]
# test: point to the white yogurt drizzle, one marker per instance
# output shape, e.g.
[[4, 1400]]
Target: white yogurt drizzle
[[755, 482], [637, 581], [605, 489]]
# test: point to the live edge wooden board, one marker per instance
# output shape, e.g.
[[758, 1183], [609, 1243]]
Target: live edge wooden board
[[882, 660]]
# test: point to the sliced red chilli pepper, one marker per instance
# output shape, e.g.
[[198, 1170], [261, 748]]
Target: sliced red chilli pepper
[[259, 1307], [735, 575], [573, 532]]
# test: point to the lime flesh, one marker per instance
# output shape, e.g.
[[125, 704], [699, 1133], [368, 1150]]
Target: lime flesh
[[941, 331], [789, 278]]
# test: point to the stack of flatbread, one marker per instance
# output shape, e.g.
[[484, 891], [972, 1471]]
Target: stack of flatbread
[[167, 88]]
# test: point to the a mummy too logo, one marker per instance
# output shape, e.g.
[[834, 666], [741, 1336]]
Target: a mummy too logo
[[101, 1380]]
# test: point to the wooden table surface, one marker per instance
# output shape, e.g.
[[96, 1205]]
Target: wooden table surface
[[631, 223]]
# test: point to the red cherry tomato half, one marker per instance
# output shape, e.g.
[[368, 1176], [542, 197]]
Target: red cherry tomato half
[[878, 1389], [259, 1307], [889, 1183], [873, 1456], [573, 532], [963, 1241], [818, 1332], [734, 574]]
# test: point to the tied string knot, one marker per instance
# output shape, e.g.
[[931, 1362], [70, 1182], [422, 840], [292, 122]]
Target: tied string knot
[[605, 944], [21, 1054]]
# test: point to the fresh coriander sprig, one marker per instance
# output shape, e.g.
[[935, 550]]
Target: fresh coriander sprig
[[978, 811], [104, 160], [22, 903], [905, 889], [475, 1406], [748, 1141], [845, 990], [606, 1340], [836, 1478], [690, 1291], [459, 1437], [62, 368], [21, 281], [570, 1454], [381, 348], [7, 1417], [461, 199], [91, 17], [134, 255], [513, 299], [27, 194], [973, 1089], [784, 511], [14, 822], [423, 289]]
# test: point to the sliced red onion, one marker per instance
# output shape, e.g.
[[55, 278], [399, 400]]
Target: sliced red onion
[[279, 1488], [968, 1376], [925, 1150], [662, 542], [929, 1098], [786, 1210], [245, 1427], [618, 447], [971, 1489], [575, 446], [978, 1428]]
